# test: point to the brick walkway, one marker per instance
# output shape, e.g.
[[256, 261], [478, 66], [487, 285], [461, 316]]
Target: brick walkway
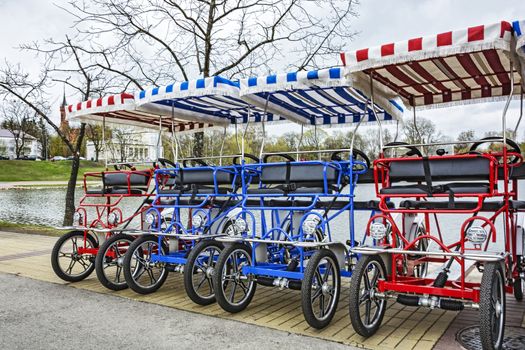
[[403, 327]]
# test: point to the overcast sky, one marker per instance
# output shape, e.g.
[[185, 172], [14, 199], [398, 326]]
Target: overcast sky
[[379, 21]]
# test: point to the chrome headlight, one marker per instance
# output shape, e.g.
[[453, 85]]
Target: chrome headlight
[[150, 218], [197, 221], [477, 234], [77, 218], [240, 225], [378, 230], [113, 218], [310, 226]]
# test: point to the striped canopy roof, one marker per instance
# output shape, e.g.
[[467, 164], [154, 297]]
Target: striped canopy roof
[[211, 100], [121, 109], [323, 97], [454, 67]]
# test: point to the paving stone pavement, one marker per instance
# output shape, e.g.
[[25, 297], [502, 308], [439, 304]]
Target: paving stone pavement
[[403, 327]]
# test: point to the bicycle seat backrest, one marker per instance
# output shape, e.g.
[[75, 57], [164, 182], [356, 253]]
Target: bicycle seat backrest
[[440, 169], [120, 179], [302, 175]]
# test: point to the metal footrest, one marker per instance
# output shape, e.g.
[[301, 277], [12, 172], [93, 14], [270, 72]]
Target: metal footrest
[[477, 256], [229, 239]]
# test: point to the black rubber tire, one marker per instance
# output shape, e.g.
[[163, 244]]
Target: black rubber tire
[[191, 267], [101, 260], [492, 279], [518, 289], [519, 282], [225, 304], [355, 295], [128, 273], [306, 290], [56, 250]]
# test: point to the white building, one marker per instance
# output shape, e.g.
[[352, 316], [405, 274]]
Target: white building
[[7, 145], [135, 146]]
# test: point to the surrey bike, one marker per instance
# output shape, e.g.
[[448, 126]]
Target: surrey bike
[[283, 233], [477, 187], [102, 231], [201, 195]]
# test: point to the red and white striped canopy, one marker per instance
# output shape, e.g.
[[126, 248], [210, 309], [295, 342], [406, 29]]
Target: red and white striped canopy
[[454, 67], [121, 109]]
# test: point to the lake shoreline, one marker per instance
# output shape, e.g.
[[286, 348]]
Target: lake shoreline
[[8, 226]]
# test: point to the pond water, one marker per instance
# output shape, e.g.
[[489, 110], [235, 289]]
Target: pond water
[[45, 206]]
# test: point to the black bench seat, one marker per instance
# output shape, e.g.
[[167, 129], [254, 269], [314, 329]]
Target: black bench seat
[[460, 205]]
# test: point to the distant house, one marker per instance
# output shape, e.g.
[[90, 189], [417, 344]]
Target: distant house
[[136, 147], [7, 145]]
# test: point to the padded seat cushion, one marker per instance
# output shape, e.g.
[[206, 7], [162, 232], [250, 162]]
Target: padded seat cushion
[[462, 205], [121, 179], [266, 191], [203, 177], [515, 204], [199, 190], [311, 173], [454, 188], [409, 189]]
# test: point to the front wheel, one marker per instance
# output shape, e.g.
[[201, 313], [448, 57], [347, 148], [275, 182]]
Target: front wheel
[[199, 270], [234, 290], [320, 288], [142, 272], [492, 306], [366, 309], [110, 261], [68, 263]]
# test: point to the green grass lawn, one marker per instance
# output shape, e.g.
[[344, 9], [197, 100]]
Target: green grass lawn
[[28, 228], [26, 170]]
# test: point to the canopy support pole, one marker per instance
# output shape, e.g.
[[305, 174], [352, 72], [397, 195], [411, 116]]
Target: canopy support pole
[[263, 127], [374, 111], [521, 115], [237, 138], [174, 140], [245, 131], [299, 143], [222, 146], [159, 140], [507, 103], [415, 126], [354, 133], [104, 141]]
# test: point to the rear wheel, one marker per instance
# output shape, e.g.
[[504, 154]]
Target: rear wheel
[[492, 306], [366, 309], [110, 261], [142, 273], [199, 270], [320, 288], [234, 290], [67, 262]]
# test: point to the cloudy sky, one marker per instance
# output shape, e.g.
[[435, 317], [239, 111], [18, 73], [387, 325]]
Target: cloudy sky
[[379, 21]]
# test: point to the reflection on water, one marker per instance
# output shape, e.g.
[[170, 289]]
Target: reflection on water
[[45, 206]]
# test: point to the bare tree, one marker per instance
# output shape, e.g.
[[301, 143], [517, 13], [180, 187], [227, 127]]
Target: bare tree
[[95, 134], [160, 41], [66, 63], [422, 132], [19, 120], [121, 142]]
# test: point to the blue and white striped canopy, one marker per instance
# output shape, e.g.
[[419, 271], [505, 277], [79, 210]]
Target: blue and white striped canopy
[[214, 100], [321, 97]]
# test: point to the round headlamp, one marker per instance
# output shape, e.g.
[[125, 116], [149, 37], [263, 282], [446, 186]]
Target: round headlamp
[[378, 230], [150, 218], [113, 218], [197, 221], [240, 225], [77, 218], [477, 234], [309, 226]]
